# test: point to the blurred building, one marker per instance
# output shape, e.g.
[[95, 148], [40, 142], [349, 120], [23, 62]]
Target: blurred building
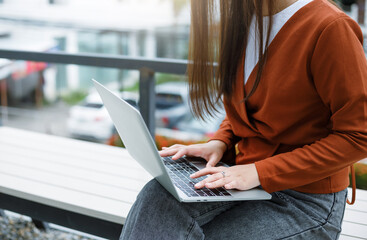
[[137, 28]]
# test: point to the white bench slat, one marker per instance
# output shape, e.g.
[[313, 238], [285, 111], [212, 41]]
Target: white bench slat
[[361, 194], [359, 205], [75, 152], [345, 237], [10, 153], [354, 230], [76, 185], [356, 216], [72, 172], [68, 157], [90, 205], [56, 140], [54, 144]]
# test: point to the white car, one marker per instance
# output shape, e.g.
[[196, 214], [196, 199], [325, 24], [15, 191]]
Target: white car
[[90, 119], [172, 103], [207, 128], [192, 129]]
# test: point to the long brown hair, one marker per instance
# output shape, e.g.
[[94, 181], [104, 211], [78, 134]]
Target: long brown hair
[[218, 39]]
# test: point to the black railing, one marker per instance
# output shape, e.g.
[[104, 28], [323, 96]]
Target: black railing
[[146, 67]]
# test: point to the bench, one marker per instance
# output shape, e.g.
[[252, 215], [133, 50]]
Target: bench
[[87, 186]]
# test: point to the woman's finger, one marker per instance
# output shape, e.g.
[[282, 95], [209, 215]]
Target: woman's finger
[[213, 160], [231, 185], [182, 152], [177, 146], [168, 152], [209, 179], [206, 171], [218, 183]]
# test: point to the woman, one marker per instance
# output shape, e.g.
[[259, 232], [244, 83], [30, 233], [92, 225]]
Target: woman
[[293, 79]]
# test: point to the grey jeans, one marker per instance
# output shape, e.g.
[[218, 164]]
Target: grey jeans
[[156, 214]]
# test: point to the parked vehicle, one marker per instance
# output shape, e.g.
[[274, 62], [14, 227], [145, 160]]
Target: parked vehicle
[[90, 119], [24, 78], [172, 104], [195, 125], [190, 130]]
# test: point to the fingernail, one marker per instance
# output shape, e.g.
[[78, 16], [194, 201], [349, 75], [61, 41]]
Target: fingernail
[[198, 185], [192, 175]]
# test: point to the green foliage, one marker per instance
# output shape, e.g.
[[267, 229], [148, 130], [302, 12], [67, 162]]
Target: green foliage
[[133, 88], [116, 141], [74, 97], [164, 77], [160, 78], [361, 175]]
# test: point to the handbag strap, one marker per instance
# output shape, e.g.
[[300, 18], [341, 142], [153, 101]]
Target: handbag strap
[[352, 172]]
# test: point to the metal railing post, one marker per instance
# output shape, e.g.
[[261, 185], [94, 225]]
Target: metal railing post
[[361, 11], [4, 101], [147, 98]]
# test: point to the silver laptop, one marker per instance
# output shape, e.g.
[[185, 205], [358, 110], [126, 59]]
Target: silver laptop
[[172, 175]]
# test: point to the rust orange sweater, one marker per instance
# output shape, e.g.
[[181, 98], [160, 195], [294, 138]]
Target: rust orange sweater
[[307, 121]]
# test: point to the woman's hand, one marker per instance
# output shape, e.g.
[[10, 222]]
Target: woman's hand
[[241, 177], [211, 151]]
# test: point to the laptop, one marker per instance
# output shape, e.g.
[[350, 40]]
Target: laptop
[[173, 175]]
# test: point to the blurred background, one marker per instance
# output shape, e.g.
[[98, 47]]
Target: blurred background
[[59, 99], [41, 96]]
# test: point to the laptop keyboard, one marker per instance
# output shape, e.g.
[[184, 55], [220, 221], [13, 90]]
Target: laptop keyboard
[[180, 170]]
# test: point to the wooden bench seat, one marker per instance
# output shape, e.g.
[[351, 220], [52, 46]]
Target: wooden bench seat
[[87, 186], [98, 182], [355, 218]]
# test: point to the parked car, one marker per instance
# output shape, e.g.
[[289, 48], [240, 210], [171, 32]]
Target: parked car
[[172, 103], [90, 119], [190, 130], [195, 125]]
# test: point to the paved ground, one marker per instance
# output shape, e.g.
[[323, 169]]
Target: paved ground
[[48, 119], [16, 227]]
